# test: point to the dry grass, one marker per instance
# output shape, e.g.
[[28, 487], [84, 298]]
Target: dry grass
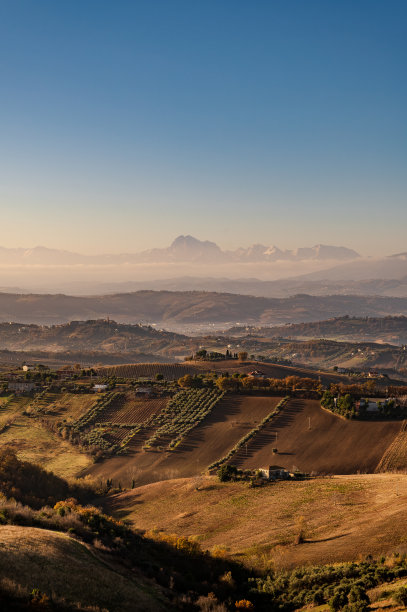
[[38, 445], [343, 518], [70, 406], [58, 565]]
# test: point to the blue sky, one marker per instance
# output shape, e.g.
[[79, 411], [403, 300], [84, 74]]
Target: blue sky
[[124, 124]]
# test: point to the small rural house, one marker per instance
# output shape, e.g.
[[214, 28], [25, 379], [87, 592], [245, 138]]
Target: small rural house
[[256, 374], [274, 472], [99, 388], [371, 405]]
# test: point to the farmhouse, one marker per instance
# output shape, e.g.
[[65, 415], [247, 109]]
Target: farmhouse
[[274, 472], [256, 374], [99, 388], [372, 405]]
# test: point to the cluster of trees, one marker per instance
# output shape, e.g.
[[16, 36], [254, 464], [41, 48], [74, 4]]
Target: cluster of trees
[[183, 412], [204, 355], [342, 587], [366, 389], [343, 405], [388, 409], [243, 382]]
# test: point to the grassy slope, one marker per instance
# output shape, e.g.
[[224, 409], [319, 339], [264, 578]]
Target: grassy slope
[[231, 418], [38, 445], [346, 517], [57, 564]]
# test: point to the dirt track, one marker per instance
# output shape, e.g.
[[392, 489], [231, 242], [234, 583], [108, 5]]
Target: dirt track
[[314, 440]]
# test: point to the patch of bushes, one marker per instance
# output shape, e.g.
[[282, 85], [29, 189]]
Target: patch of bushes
[[31, 484]]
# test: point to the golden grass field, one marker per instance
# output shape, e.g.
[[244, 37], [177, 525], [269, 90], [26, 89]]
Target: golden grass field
[[63, 567], [344, 517], [34, 443]]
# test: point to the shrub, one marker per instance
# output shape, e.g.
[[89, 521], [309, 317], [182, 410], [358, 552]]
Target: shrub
[[227, 472], [400, 596]]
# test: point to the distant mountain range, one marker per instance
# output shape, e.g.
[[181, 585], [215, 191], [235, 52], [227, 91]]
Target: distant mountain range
[[183, 249]]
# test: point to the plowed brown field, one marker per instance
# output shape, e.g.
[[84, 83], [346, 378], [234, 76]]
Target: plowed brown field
[[228, 422], [129, 408], [314, 440]]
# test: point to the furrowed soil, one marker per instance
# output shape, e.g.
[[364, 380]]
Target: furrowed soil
[[344, 518], [314, 440], [229, 421]]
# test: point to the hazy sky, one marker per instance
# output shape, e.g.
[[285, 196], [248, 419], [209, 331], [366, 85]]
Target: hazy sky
[[126, 123]]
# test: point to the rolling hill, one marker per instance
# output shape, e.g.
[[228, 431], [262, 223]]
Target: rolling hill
[[356, 329], [194, 307], [103, 336], [70, 571], [344, 517]]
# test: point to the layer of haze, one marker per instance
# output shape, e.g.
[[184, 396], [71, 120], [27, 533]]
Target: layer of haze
[[124, 124]]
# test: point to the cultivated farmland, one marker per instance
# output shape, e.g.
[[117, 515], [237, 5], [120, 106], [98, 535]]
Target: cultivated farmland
[[173, 371], [129, 408], [230, 419], [170, 371], [312, 439]]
